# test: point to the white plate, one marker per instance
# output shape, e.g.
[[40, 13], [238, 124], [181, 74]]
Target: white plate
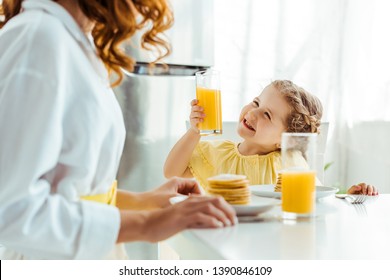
[[256, 206], [268, 191]]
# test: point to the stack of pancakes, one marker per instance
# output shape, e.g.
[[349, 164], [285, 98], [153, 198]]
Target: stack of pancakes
[[278, 185], [233, 188]]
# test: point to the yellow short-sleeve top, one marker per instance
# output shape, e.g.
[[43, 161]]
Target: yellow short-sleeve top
[[211, 158]]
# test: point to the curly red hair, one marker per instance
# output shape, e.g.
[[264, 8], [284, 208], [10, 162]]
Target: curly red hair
[[115, 22]]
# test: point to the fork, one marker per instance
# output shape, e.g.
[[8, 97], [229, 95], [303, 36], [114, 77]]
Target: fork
[[353, 199], [357, 199]]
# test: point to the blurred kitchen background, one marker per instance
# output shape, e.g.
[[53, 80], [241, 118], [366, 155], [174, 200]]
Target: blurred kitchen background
[[338, 50]]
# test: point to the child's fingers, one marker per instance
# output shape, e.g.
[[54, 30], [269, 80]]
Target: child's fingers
[[364, 189], [354, 189], [197, 109], [367, 189], [194, 102], [197, 115], [371, 190], [195, 122]]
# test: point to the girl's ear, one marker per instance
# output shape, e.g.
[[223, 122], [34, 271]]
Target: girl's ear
[[277, 145]]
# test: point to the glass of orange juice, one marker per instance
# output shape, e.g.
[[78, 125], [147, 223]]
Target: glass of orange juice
[[208, 93], [298, 174]]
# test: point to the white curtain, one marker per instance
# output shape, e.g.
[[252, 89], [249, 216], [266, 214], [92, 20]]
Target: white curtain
[[338, 50]]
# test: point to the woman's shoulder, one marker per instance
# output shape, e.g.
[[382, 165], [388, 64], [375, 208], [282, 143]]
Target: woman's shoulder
[[38, 32], [36, 20], [51, 32]]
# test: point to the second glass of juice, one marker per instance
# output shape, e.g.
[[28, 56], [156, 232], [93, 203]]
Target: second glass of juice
[[208, 93], [298, 174]]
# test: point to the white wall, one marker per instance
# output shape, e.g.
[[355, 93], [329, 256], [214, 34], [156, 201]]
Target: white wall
[[365, 150]]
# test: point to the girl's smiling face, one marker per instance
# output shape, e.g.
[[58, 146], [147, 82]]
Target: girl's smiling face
[[262, 122]]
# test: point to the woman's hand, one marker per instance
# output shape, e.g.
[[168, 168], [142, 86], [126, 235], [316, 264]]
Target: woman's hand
[[177, 185], [173, 187], [157, 198], [196, 116], [363, 188], [194, 212]]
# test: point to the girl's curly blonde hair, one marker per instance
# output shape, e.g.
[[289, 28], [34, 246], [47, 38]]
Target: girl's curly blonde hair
[[306, 109], [115, 22]]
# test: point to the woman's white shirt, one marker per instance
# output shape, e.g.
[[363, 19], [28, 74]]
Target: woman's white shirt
[[61, 137]]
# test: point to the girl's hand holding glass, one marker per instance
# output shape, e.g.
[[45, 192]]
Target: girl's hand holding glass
[[197, 115]]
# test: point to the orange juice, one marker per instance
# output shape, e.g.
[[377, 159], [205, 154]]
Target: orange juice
[[210, 100], [298, 191]]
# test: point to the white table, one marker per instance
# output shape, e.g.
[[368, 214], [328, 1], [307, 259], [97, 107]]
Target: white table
[[339, 231]]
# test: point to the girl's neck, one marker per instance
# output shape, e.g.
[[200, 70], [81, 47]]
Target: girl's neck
[[247, 149]]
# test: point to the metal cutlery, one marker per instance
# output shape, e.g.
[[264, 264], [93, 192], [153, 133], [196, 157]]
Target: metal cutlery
[[353, 199]]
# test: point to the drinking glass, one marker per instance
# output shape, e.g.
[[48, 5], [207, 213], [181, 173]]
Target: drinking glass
[[298, 174], [208, 93]]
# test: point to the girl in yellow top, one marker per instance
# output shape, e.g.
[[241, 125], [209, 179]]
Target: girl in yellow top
[[281, 107]]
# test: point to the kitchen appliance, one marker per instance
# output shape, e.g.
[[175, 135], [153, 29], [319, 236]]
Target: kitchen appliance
[[156, 104]]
